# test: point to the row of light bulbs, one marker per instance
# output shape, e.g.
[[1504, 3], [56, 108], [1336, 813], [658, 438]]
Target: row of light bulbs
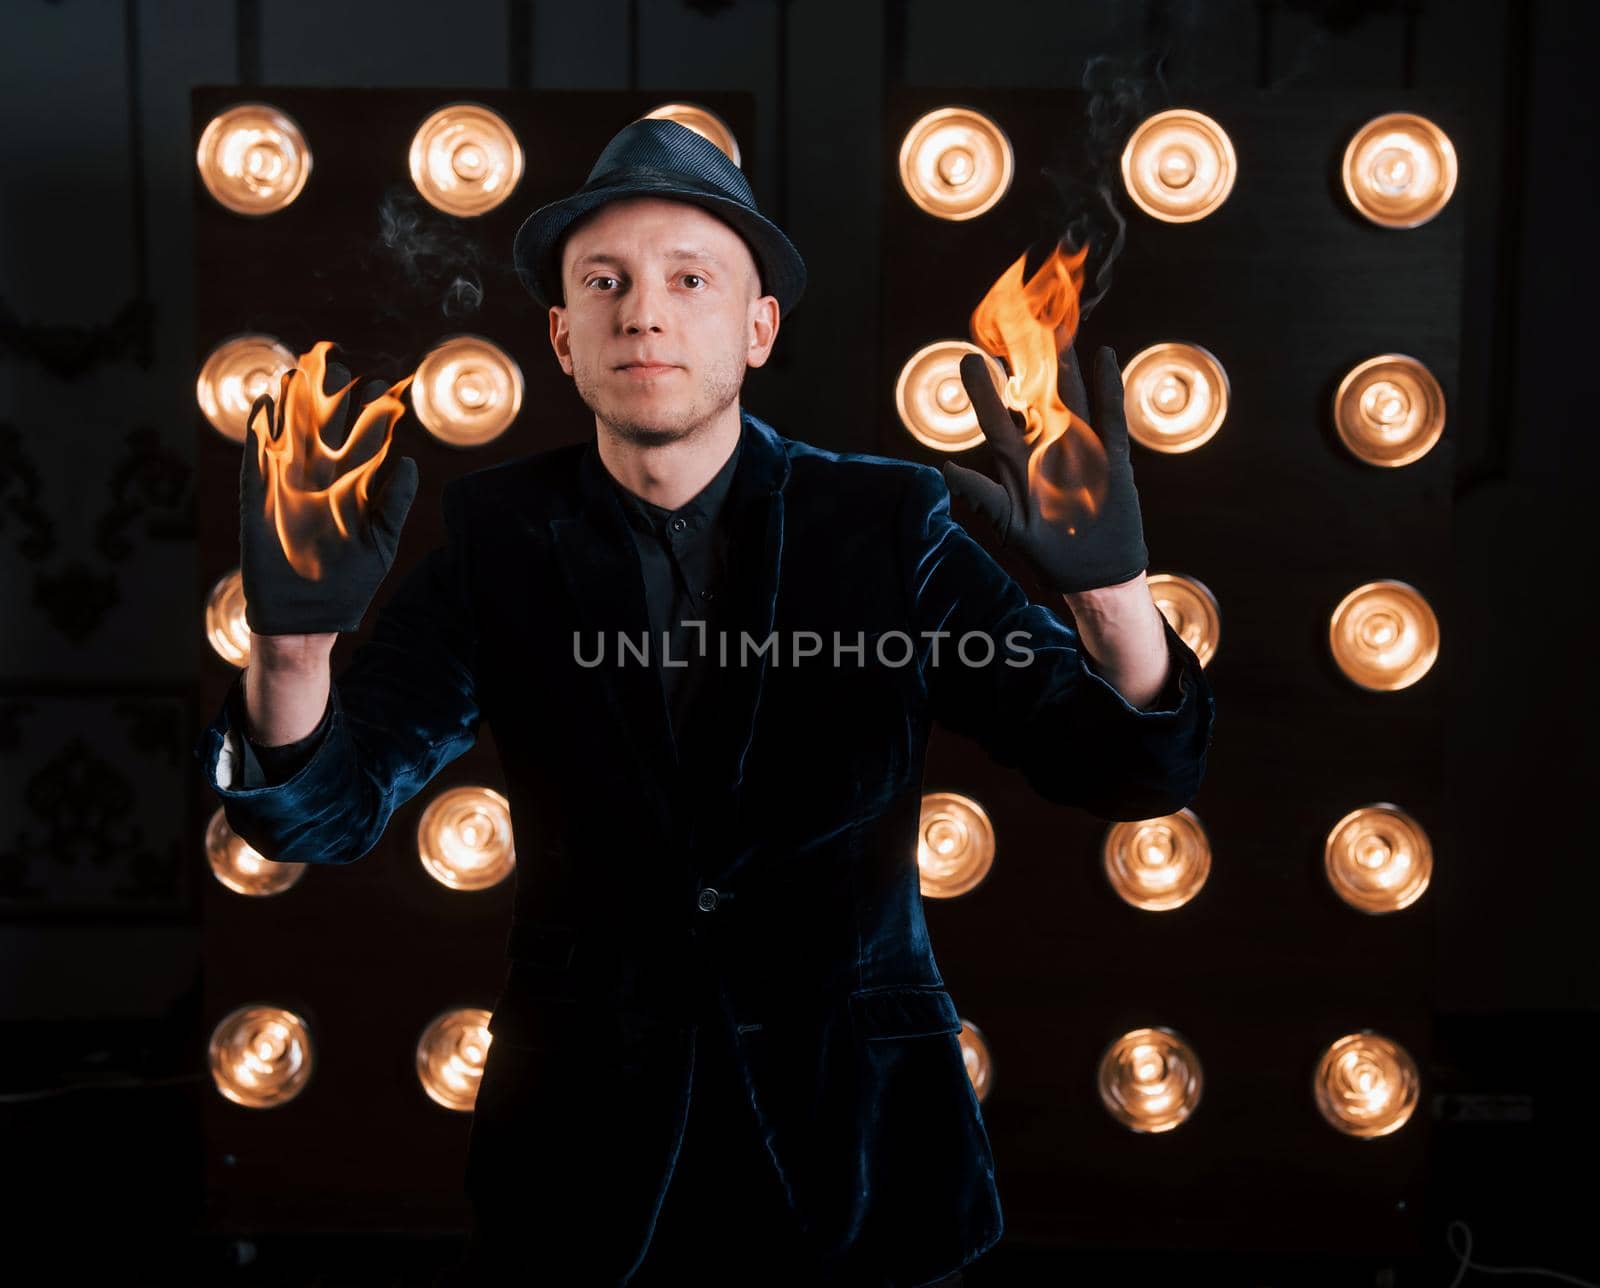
[[956, 163], [464, 158], [1377, 858], [1389, 410], [1149, 1079], [1398, 171], [467, 390]]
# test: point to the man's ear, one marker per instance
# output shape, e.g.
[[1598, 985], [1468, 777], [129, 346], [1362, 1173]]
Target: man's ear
[[763, 330], [559, 340]]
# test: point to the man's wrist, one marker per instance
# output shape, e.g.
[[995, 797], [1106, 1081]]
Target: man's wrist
[[291, 654], [1123, 635], [1108, 601]]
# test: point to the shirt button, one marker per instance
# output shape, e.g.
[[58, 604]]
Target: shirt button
[[708, 900], [679, 524]]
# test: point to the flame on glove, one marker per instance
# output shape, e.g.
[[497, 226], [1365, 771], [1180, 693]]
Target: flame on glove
[[1030, 325], [313, 495]]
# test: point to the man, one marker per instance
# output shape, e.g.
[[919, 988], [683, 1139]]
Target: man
[[723, 1052]]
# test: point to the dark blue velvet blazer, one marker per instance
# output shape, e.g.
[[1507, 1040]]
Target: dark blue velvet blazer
[[799, 809]]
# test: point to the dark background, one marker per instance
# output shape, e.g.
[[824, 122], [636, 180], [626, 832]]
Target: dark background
[[102, 882]]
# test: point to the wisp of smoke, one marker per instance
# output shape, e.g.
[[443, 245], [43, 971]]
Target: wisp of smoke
[[462, 297], [1086, 171], [432, 255]]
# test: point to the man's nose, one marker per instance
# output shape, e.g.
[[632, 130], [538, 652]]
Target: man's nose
[[644, 307]]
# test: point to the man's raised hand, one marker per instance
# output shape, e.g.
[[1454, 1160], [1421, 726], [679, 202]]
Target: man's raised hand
[[1075, 513]]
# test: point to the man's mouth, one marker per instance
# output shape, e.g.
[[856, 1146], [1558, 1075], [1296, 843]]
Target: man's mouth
[[646, 368]]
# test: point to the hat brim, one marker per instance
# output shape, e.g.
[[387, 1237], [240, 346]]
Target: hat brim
[[536, 252]]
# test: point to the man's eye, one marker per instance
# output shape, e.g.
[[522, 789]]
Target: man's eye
[[696, 276], [593, 280]]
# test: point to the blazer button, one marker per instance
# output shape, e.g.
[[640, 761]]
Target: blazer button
[[708, 900]]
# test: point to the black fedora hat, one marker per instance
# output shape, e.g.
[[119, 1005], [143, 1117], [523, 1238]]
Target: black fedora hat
[[652, 157]]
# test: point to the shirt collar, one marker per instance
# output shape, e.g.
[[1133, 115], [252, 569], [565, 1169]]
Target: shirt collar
[[701, 509]]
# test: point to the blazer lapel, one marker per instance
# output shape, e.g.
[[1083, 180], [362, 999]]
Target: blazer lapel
[[601, 567], [755, 559]]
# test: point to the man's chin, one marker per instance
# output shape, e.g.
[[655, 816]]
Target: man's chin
[[627, 425]]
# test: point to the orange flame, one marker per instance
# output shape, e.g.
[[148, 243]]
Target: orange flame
[[1030, 324], [311, 498]]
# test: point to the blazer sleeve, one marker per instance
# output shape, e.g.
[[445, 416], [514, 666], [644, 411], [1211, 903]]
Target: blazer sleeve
[[1029, 696], [406, 705], [243, 764]]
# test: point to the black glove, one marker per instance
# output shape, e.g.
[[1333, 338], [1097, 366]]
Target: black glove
[[1102, 549], [278, 600]]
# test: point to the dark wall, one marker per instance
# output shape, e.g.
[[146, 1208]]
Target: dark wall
[[99, 870]]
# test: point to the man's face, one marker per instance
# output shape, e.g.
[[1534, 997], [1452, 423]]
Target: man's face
[[650, 279]]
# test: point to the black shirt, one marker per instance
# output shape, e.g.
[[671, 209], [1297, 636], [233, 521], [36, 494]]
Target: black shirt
[[682, 554]]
